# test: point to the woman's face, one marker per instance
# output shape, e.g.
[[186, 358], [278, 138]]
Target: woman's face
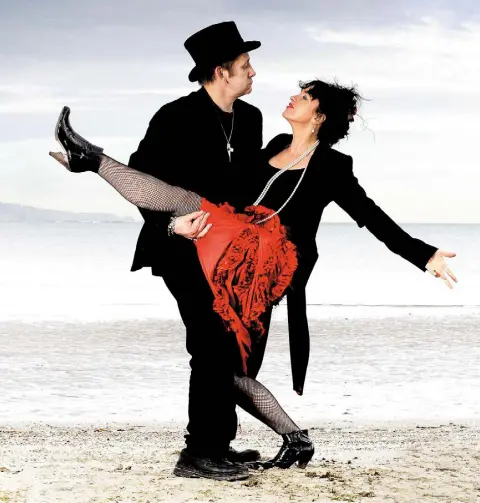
[[301, 108]]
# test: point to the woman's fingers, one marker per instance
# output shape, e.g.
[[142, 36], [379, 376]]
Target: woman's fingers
[[447, 282], [450, 273], [442, 272], [448, 254]]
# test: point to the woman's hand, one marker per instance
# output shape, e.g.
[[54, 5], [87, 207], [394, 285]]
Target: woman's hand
[[438, 267]]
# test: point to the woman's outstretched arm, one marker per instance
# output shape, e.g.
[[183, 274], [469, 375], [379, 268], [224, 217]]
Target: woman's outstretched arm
[[352, 198]]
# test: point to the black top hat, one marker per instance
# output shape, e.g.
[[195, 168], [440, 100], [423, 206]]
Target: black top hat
[[216, 44]]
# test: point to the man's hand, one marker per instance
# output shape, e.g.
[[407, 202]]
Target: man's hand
[[193, 225], [438, 267]]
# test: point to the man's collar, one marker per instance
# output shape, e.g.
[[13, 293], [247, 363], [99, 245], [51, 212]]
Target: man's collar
[[203, 93]]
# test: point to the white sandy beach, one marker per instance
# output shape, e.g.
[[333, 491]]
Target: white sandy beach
[[131, 463], [95, 412]]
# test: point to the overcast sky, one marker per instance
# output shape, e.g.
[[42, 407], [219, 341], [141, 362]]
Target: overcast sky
[[115, 62]]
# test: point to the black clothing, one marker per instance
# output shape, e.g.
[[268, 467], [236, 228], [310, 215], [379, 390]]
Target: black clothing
[[214, 45], [329, 178], [185, 146]]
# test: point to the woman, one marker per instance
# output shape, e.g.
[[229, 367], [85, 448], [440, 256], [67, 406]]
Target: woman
[[313, 176]]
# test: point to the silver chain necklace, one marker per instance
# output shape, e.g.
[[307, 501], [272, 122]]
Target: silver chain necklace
[[280, 172], [228, 138]]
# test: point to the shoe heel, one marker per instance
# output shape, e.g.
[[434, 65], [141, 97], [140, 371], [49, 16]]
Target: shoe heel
[[58, 125], [304, 458]]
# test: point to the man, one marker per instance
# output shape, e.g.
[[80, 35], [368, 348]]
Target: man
[[199, 142]]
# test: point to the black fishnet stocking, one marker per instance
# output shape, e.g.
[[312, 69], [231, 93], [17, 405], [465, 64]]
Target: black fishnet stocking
[[253, 397], [146, 191]]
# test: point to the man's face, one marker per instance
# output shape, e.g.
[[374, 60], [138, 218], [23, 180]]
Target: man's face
[[240, 79]]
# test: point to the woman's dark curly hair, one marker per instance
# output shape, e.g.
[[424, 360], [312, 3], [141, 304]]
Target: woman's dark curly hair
[[338, 104]]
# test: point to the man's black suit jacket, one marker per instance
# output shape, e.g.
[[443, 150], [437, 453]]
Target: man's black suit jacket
[[185, 146]]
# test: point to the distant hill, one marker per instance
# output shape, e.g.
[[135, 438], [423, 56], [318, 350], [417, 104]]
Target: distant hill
[[20, 213]]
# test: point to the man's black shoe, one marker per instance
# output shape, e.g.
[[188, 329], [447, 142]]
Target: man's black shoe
[[246, 456], [195, 466]]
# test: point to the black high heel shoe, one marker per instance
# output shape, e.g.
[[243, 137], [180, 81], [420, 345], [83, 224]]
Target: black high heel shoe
[[81, 154], [297, 448]]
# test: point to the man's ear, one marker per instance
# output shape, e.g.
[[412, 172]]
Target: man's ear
[[220, 73]]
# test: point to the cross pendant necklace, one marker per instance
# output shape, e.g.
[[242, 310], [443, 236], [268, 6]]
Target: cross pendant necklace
[[229, 150], [228, 138]]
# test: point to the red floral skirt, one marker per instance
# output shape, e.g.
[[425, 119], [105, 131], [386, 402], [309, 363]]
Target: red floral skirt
[[247, 265]]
